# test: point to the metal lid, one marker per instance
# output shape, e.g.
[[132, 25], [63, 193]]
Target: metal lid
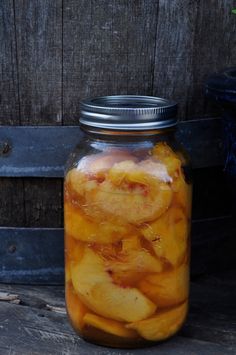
[[128, 112]]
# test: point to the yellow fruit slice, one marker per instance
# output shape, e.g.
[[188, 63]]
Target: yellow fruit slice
[[182, 195], [96, 289], [80, 227], [132, 262], [129, 191], [132, 194], [167, 289], [75, 308], [163, 325], [103, 161], [166, 155], [92, 168], [76, 182], [74, 249], [168, 235], [134, 257], [109, 326]]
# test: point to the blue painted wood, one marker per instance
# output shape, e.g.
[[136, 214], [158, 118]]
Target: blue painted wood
[[31, 255], [35, 256], [36, 151], [42, 151]]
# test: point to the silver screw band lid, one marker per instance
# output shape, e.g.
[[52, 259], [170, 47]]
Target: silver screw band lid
[[128, 112]]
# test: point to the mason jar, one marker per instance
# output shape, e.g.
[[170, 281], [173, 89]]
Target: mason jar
[[127, 205]]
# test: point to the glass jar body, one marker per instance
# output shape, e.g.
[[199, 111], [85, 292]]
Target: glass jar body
[[127, 205]]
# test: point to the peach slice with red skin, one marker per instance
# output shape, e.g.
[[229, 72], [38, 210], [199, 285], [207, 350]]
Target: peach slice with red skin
[[163, 325], [132, 262], [94, 167], [84, 229], [132, 194], [98, 292]]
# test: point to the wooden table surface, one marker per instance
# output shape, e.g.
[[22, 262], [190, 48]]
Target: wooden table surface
[[33, 321]]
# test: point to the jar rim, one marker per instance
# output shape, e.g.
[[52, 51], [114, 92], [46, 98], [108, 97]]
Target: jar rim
[[128, 112]]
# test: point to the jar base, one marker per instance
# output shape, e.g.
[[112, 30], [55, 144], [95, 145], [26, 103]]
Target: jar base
[[100, 338]]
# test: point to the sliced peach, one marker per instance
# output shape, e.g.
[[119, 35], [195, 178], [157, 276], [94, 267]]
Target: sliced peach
[[75, 308], [168, 235], [109, 326], [96, 289], [167, 289], [132, 262], [84, 229], [104, 161], [135, 258], [163, 325], [163, 152], [130, 191], [182, 195], [95, 165], [76, 181], [74, 249], [132, 194]]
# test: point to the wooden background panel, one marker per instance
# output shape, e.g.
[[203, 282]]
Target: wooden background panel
[[174, 48], [214, 49], [39, 53], [11, 190], [108, 48], [53, 53], [9, 98], [31, 92]]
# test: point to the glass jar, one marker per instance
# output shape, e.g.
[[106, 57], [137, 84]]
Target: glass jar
[[127, 205]]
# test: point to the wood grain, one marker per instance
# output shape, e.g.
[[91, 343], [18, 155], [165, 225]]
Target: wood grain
[[53, 53], [9, 96], [11, 190], [174, 48], [213, 50], [43, 203], [108, 48], [30, 327], [38, 27], [39, 43]]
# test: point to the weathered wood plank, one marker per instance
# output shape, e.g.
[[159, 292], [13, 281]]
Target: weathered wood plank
[[43, 203], [39, 43], [46, 149], [11, 202], [39, 39], [108, 48], [32, 255], [11, 207], [32, 45], [9, 96], [174, 48], [213, 50], [210, 328], [35, 255]]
